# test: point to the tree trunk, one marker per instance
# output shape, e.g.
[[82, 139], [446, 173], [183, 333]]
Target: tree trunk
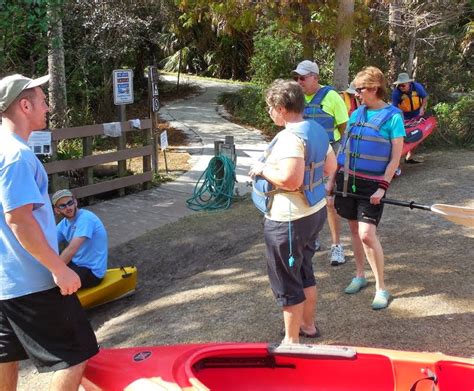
[[411, 53], [57, 83], [395, 38], [307, 38], [343, 44]]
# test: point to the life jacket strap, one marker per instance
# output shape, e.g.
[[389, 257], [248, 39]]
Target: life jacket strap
[[369, 138], [369, 157]]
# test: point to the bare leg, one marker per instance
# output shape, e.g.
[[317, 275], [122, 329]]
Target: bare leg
[[68, 379], [409, 155], [358, 248], [8, 376], [334, 222], [309, 310], [293, 317], [374, 252]]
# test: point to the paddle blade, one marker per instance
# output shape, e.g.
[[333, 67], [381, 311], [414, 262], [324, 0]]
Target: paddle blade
[[457, 214]]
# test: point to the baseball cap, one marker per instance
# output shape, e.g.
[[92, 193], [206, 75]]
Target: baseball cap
[[11, 86], [305, 67], [60, 194]]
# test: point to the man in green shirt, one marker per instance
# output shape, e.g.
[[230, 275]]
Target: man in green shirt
[[325, 106]]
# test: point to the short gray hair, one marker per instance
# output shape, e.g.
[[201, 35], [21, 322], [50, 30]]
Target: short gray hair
[[287, 94]]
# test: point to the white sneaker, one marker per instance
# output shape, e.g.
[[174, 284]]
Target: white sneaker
[[317, 245], [336, 255]]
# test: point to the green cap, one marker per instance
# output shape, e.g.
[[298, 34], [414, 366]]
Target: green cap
[[11, 86], [60, 194]]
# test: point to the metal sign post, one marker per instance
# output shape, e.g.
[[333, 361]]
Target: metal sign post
[[153, 96], [123, 95]]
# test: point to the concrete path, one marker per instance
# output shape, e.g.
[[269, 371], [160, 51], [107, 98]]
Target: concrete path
[[131, 216]]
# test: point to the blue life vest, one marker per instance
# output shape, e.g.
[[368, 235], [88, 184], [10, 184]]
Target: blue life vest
[[363, 149], [313, 110], [316, 146]]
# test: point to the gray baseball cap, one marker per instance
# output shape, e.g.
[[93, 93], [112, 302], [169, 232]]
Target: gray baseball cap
[[11, 86], [305, 67], [60, 194]]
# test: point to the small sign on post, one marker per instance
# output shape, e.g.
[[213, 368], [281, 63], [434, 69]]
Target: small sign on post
[[123, 86], [40, 142], [164, 146]]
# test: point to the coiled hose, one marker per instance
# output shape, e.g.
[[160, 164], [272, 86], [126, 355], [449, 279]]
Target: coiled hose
[[215, 187]]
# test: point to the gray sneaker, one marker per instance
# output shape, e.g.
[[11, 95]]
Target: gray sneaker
[[336, 255]]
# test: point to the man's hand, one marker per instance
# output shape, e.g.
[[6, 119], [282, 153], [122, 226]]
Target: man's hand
[[67, 280]]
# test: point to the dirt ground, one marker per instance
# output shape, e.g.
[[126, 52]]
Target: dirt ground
[[204, 277]]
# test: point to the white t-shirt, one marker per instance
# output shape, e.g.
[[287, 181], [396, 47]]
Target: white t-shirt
[[290, 206]]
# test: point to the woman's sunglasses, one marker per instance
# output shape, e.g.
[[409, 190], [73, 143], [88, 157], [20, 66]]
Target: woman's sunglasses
[[66, 205], [360, 89]]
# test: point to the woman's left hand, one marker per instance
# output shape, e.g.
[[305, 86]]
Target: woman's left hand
[[377, 196], [256, 169]]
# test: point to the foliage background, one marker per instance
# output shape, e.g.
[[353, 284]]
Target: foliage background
[[242, 40]]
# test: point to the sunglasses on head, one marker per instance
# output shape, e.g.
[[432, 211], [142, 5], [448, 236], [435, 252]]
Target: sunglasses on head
[[66, 205]]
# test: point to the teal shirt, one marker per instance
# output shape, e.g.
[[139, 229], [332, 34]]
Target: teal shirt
[[391, 129]]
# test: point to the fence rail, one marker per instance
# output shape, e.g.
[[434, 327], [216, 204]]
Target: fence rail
[[89, 160]]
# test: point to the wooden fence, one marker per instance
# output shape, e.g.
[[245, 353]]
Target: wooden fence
[[89, 160]]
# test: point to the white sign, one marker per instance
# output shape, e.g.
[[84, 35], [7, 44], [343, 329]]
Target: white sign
[[164, 140], [40, 143], [123, 86]]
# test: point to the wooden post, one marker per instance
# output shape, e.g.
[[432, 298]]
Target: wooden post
[[121, 144], [88, 171]]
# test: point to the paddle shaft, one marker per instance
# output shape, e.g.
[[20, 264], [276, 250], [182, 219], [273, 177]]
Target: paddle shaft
[[411, 204]]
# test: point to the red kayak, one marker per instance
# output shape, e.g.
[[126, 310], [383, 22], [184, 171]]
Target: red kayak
[[259, 366], [417, 130]]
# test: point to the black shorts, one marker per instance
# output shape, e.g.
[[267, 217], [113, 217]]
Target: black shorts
[[47, 327], [88, 279], [287, 282], [356, 209]]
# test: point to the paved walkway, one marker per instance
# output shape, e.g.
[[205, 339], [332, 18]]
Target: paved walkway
[[131, 216]]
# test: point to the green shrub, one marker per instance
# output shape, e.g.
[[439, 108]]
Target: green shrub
[[274, 57], [455, 122], [248, 107]]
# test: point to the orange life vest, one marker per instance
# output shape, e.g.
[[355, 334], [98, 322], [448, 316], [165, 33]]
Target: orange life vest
[[410, 102], [350, 100]]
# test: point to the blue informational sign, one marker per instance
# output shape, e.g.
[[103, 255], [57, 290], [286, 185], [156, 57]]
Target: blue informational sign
[[123, 86]]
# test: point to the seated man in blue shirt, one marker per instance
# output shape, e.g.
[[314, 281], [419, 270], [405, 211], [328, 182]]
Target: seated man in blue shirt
[[86, 238], [412, 98]]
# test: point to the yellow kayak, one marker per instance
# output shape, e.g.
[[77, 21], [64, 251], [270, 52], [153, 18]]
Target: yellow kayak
[[117, 283]]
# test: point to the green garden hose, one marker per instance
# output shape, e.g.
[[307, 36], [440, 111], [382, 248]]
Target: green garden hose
[[215, 187]]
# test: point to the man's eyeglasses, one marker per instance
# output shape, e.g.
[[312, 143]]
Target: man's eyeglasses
[[66, 205], [360, 89], [300, 77]]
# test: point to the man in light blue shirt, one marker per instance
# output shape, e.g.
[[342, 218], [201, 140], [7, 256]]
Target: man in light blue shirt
[[86, 238], [37, 289]]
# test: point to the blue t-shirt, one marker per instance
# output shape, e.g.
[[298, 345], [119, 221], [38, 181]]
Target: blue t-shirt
[[92, 253], [397, 98], [393, 128], [23, 181]]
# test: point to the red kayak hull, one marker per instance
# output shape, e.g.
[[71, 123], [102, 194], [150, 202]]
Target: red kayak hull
[[424, 125], [259, 366]]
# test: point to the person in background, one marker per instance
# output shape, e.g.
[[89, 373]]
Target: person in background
[[368, 159], [412, 98], [41, 317], [294, 164], [86, 239], [324, 105], [348, 95]]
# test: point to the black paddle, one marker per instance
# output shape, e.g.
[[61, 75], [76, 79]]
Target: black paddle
[[456, 214]]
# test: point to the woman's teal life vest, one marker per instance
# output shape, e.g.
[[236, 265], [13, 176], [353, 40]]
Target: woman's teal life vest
[[313, 110], [363, 149], [316, 145]]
